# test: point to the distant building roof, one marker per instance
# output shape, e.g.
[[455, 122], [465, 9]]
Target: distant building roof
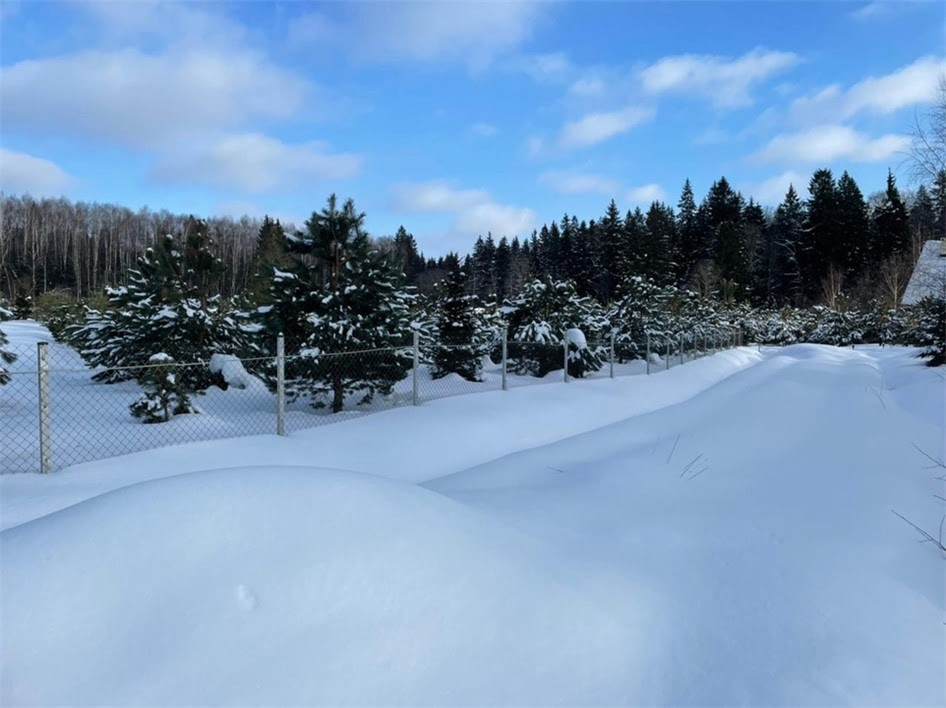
[[929, 275]]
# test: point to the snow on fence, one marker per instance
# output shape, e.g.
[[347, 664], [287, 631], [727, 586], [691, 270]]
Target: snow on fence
[[53, 414]]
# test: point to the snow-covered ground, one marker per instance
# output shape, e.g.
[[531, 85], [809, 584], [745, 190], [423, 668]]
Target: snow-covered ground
[[717, 534], [91, 421]]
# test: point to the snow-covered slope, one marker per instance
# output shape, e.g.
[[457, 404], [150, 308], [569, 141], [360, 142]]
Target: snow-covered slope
[[727, 542], [296, 586]]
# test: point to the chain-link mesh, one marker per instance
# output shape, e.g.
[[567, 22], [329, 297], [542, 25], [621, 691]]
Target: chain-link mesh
[[89, 419]]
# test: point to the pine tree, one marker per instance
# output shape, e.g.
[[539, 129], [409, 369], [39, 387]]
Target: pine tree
[[891, 223], [922, 215], [502, 268], [641, 307], [939, 205], [348, 315], [6, 357], [614, 251], [539, 319], [331, 238], [660, 235], [635, 247], [688, 227], [853, 229], [817, 249], [164, 396], [407, 257], [484, 254], [585, 256], [455, 323], [167, 307], [359, 320], [271, 254], [788, 228]]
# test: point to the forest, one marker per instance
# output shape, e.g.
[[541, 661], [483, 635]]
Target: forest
[[836, 243]]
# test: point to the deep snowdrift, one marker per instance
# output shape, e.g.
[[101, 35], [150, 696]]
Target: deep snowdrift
[[294, 586], [688, 538]]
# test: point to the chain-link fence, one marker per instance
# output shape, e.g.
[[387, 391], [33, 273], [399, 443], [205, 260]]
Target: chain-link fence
[[55, 411]]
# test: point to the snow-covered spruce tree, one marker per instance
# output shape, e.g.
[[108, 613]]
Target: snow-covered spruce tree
[[163, 396], [841, 329], [456, 350], [928, 329], [168, 306], [6, 357], [23, 307], [363, 323], [343, 311], [641, 307], [541, 315]]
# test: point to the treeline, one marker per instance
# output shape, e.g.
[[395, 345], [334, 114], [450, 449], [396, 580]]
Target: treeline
[[835, 244]]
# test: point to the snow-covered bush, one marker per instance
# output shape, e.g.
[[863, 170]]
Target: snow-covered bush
[[582, 359], [229, 371], [538, 319], [841, 329], [164, 397]]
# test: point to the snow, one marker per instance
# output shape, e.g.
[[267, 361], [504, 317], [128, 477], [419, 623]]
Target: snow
[[716, 534], [232, 371], [929, 274], [576, 337]]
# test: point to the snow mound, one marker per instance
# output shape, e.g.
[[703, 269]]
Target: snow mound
[[231, 369], [292, 586], [576, 337]]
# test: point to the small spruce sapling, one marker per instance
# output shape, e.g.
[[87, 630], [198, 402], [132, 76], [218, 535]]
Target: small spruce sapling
[[164, 396]]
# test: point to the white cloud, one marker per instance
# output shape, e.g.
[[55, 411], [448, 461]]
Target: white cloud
[[645, 194], [724, 81], [879, 9], [588, 87], [484, 130], [253, 163], [552, 67], [21, 173], [579, 183], [146, 100], [180, 24], [474, 212], [830, 143], [468, 31], [772, 191], [911, 85], [595, 128]]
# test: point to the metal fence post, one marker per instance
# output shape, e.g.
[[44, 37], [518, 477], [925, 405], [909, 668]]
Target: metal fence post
[[667, 354], [648, 352], [505, 356], [416, 391], [280, 384], [612, 354], [45, 448], [682, 346], [705, 350], [565, 349]]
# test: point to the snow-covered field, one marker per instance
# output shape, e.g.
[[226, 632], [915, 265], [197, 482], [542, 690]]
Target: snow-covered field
[[91, 421], [717, 534]]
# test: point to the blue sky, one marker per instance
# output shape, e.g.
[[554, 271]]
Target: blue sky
[[454, 118]]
